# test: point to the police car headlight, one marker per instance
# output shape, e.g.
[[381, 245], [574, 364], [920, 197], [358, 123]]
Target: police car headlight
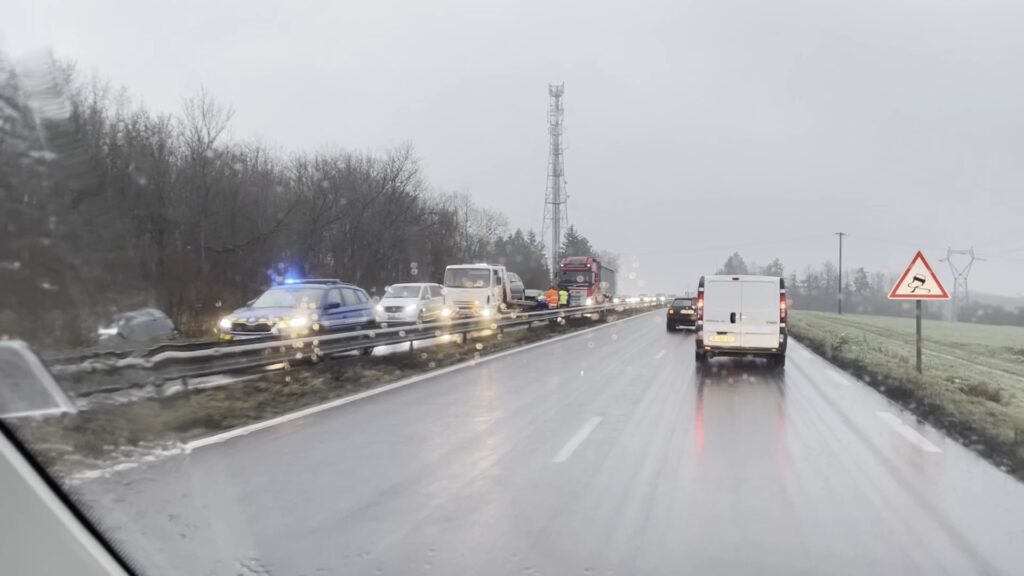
[[297, 322], [446, 312], [590, 301], [380, 308], [225, 323], [486, 312], [410, 307]]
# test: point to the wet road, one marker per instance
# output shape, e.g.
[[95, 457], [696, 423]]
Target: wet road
[[602, 453]]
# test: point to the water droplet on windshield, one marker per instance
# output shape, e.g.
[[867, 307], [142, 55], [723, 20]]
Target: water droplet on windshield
[[479, 347]]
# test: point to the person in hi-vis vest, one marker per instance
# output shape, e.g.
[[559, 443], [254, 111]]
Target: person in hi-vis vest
[[552, 296]]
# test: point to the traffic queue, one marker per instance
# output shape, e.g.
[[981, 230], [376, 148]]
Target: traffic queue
[[303, 306]]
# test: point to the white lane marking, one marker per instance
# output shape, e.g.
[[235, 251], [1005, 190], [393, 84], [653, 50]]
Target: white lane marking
[[659, 355], [907, 432], [576, 440], [838, 377], [242, 431]]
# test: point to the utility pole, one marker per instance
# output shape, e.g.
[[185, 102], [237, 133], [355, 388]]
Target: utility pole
[[961, 296], [556, 214], [839, 301]]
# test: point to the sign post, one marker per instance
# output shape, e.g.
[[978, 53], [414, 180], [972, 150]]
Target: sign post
[[918, 283]]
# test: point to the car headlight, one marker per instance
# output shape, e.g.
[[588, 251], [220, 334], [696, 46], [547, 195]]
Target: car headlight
[[410, 307], [446, 312], [590, 301], [297, 322], [380, 308], [225, 324], [486, 312]]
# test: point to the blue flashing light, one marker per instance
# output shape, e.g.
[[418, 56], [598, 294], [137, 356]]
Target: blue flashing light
[[292, 280]]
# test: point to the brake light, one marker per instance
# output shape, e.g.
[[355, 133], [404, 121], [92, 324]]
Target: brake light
[[700, 306], [782, 308]]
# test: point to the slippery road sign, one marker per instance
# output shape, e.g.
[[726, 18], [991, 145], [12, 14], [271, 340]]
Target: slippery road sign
[[918, 282]]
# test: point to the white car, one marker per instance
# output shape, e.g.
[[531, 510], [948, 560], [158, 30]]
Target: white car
[[741, 316], [407, 303]]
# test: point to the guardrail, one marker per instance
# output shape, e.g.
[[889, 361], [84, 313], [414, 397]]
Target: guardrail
[[165, 363]]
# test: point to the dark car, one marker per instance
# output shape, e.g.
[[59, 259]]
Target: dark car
[[300, 308], [681, 312], [142, 326]]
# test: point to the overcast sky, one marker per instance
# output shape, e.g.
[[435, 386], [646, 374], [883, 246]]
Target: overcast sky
[[693, 128]]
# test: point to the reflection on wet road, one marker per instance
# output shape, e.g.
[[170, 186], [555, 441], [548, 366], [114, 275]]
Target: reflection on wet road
[[603, 453]]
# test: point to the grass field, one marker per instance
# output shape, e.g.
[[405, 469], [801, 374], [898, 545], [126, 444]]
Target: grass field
[[972, 384]]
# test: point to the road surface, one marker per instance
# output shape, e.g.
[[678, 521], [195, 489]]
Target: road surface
[[602, 453]]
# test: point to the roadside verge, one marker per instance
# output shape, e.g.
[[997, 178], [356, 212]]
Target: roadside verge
[[983, 409]]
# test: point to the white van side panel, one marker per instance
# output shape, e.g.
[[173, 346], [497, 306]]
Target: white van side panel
[[760, 320]]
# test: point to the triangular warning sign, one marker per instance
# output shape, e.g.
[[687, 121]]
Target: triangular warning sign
[[918, 282]]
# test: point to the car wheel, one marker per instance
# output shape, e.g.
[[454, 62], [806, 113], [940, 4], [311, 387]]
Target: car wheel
[[670, 327], [700, 357]]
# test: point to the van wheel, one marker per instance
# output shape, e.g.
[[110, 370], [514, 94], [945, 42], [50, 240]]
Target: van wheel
[[700, 357], [777, 362], [366, 351]]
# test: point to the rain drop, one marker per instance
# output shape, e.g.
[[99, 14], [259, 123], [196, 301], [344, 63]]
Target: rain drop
[[479, 346]]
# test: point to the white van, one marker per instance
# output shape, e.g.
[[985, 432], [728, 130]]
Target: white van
[[742, 316], [415, 302]]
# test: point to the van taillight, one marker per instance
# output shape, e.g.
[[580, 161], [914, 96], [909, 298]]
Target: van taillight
[[700, 306], [782, 308]]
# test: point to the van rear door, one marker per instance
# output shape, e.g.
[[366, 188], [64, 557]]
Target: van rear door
[[723, 305], [759, 323]]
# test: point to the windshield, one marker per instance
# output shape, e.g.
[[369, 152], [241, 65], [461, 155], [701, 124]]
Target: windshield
[[388, 288], [401, 291], [467, 278], [283, 297]]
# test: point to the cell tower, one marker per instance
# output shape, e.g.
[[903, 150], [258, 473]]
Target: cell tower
[[556, 212], [961, 296]]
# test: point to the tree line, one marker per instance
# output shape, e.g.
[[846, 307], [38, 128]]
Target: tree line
[[107, 206], [864, 292]]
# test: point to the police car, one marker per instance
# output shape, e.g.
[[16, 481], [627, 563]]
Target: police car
[[301, 307]]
